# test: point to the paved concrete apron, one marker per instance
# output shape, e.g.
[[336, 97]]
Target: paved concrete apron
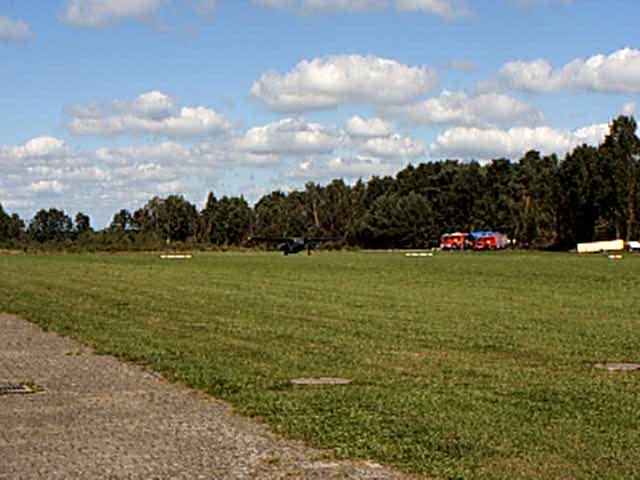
[[100, 418]]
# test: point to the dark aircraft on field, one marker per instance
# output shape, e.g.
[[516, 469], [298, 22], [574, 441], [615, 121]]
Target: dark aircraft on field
[[292, 245]]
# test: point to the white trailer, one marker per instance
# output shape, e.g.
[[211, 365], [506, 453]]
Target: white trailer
[[598, 247], [633, 246]]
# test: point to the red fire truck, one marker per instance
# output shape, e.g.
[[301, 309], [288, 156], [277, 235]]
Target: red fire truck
[[454, 241], [489, 240], [482, 240]]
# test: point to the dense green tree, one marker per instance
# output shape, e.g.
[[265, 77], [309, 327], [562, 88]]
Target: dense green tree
[[5, 224], [537, 199], [577, 209], [83, 223], [376, 187], [122, 222], [496, 208], [208, 218], [17, 227], [356, 211], [141, 221], [169, 219], [314, 203], [619, 168], [226, 221], [466, 188], [50, 226], [278, 214], [398, 221], [329, 210]]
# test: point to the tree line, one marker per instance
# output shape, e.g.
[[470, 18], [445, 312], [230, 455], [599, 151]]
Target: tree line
[[541, 201]]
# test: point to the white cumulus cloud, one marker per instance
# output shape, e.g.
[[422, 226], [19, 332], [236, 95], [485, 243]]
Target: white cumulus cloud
[[53, 186], [38, 171], [394, 146], [486, 144], [374, 127], [459, 108], [39, 156], [327, 82], [629, 109], [449, 9], [171, 187], [98, 13], [296, 137], [14, 30], [348, 167], [101, 13], [39, 147], [290, 136], [151, 113], [617, 72], [152, 104]]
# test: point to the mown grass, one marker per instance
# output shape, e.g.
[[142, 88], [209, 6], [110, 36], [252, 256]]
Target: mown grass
[[468, 365]]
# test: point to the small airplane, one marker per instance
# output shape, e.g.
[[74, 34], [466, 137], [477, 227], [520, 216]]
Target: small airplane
[[293, 245]]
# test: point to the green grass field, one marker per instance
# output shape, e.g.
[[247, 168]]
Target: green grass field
[[465, 365]]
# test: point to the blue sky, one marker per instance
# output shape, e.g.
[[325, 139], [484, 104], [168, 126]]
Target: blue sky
[[109, 102]]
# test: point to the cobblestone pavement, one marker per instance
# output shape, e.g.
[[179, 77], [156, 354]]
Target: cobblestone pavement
[[98, 417]]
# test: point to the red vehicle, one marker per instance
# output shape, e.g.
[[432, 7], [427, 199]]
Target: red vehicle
[[454, 241], [489, 240]]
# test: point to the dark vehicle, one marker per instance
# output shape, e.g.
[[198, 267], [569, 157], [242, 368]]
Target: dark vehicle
[[292, 245]]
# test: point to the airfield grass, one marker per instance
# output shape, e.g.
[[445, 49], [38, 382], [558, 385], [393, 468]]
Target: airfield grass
[[463, 365]]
